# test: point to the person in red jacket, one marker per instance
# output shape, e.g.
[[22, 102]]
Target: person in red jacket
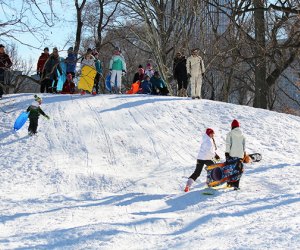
[[69, 85], [40, 67]]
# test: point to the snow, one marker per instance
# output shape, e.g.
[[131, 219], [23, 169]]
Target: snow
[[108, 172]]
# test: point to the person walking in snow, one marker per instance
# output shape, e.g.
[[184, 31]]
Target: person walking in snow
[[206, 155], [34, 112], [195, 71], [235, 149], [180, 74], [117, 68]]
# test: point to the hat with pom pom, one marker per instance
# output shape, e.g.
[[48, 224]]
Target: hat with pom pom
[[209, 131]]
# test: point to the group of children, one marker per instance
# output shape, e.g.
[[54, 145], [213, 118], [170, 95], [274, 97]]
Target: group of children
[[235, 150], [148, 81]]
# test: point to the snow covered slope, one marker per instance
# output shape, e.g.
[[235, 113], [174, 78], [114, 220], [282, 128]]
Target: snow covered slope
[[108, 172]]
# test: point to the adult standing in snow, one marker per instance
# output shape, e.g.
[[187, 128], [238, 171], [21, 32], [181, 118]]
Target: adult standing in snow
[[41, 62], [40, 68], [34, 112], [206, 155], [71, 61], [117, 67], [195, 71], [50, 71], [180, 74], [235, 148], [5, 64]]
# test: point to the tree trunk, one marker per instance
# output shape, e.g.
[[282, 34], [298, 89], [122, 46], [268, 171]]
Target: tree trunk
[[261, 87]]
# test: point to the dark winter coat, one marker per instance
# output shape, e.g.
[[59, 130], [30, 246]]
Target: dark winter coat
[[146, 87], [5, 61], [138, 77], [35, 112], [68, 88], [159, 87], [179, 68], [71, 61], [51, 67], [41, 62]]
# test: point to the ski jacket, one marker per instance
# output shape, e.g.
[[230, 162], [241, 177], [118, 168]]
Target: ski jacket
[[195, 66], [207, 149], [179, 68], [117, 62], [157, 83], [51, 67], [146, 87], [71, 61], [5, 61], [69, 87], [98, 66], [88, 61], [235, 143], [35, 111], [41, 62]]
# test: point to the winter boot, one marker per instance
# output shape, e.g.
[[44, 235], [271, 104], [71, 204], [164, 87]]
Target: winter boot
[[184, 93], [179, 93], [188, 185]]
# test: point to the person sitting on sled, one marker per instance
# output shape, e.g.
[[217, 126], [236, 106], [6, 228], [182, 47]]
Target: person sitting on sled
[[34, 112], [69, 85], [235, 149], [206, 155]]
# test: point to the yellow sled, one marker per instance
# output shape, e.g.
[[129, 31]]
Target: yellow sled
[[86, 81]]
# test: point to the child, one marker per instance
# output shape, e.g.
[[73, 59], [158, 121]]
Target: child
[[34, 113], [146, 86], [159, 87], [235, 149], [69, 85], [206, 155]]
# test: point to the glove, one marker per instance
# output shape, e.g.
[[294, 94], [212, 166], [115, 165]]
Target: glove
[[202, 74], [123, 72], [110, 71], [227, 156], [217, 157], [189, 75]]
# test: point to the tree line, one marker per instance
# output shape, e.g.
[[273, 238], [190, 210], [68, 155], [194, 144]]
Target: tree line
[[250, 47]]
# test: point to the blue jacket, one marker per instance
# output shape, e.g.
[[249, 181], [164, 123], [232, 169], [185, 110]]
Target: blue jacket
[[71, 61], [146, 87]]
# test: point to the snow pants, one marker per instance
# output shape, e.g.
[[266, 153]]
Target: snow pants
[[199, 167], [116, 75], [33, 124], [196, 84]]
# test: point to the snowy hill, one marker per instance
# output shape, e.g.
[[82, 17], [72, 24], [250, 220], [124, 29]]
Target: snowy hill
[[108, 172]]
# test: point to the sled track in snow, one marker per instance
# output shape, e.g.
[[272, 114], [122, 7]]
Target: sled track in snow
[[106, 136]]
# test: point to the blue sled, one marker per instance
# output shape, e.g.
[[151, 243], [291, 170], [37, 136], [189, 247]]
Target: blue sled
[[21, 120]]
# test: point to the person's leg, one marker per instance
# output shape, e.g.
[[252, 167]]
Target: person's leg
[[119, 81], [198, 86], [193, 88], [35, 125]]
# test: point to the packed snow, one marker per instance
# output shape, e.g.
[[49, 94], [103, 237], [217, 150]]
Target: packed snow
[[108, 172]]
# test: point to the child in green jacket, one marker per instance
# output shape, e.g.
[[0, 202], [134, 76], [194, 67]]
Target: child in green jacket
[[34, 112]]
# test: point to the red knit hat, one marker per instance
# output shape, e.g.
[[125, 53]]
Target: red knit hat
[[209, 131], [235, 124]]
